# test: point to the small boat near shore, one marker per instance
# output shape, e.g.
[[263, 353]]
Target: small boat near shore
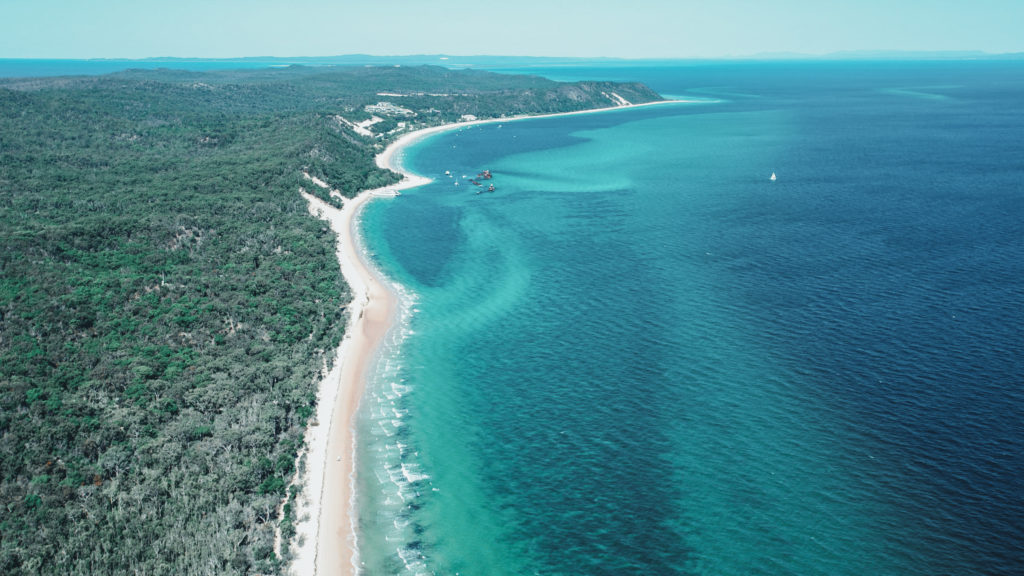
[[386, 193], [485, 175]]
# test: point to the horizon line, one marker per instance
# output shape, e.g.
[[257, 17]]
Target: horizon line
[[842, 54]]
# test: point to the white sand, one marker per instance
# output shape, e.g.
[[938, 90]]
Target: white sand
[[325, 542]]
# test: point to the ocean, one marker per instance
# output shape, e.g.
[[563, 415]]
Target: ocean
[[640, 355]]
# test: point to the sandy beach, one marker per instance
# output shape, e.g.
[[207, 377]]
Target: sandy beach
[[325, 530], [326, 536]]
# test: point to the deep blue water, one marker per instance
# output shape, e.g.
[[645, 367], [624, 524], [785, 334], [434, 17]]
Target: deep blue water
[[640, 356]]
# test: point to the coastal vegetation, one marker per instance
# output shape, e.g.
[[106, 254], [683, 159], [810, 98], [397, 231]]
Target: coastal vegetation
[[167, 302]]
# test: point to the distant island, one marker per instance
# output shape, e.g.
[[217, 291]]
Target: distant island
[[22, 67], [167, 302]]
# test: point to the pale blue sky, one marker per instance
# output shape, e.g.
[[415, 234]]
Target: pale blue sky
[[589, 28]]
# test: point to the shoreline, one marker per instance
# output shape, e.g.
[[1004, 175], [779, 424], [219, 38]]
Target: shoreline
[[326, 524], [386, 159]]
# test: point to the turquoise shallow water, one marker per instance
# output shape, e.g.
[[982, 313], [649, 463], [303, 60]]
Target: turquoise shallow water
[[639, 355]]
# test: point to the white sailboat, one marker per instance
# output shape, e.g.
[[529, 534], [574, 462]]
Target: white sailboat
[[773, 177]]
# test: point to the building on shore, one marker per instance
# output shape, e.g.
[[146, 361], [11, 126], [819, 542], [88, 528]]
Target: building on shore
[[388, 109]]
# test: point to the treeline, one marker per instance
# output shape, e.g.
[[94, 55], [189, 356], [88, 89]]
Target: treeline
[[166, 301]]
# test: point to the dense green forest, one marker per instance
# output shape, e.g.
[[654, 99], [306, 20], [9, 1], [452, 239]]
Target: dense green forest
[[167, 302]]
